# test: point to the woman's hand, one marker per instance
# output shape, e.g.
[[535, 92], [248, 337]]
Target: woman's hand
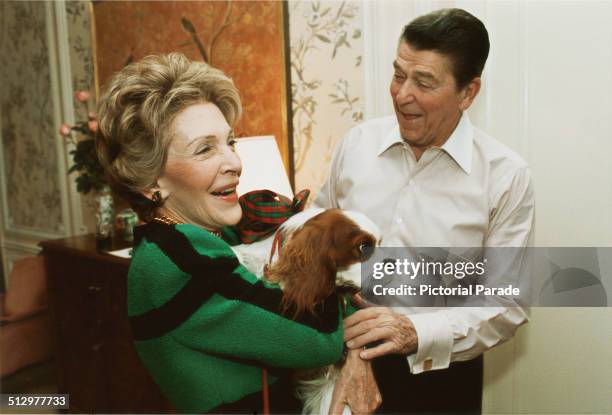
[[355, 387]]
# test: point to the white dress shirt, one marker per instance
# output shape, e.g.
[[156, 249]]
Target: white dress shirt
[[471, 192]]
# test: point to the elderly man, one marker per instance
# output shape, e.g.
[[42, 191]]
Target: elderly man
[[427, 177]]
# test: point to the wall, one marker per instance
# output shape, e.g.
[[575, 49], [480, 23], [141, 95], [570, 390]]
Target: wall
[[32, 185], [28, 153], [46, 51], [546, 93], [81, 74], [327, 82]]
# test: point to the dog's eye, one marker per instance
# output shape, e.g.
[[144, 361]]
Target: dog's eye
[[364, 245], [365, 250]]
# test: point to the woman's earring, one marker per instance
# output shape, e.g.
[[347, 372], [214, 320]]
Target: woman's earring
[[157, 197]]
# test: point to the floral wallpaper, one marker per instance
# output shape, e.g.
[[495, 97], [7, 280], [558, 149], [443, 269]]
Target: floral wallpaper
[[81, 66], [327, 83], [26, 116], [79, 38]]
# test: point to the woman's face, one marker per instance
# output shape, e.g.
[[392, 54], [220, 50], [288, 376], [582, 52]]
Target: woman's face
[[202, 170]]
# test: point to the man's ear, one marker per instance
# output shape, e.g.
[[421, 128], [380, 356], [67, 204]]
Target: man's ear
[[469, 93]]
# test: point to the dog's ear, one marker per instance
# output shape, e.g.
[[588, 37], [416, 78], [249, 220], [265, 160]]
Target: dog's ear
[[306, 268]]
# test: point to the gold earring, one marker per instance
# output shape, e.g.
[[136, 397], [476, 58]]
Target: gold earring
[[157, 197]]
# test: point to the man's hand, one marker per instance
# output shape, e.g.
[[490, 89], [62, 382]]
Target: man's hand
[[373, 324], [355, 387]]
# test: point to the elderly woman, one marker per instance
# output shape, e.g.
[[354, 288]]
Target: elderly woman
[[204, 326]]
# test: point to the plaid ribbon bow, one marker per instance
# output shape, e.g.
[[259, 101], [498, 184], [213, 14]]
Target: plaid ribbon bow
[[263, 211]]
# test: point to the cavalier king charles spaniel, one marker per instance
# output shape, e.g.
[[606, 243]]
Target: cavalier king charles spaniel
[[319, 252]]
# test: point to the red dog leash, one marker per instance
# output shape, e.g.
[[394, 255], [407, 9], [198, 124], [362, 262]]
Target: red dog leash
[[265, 392], [276, 246]]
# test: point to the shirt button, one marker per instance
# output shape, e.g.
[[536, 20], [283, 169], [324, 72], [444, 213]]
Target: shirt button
[[410, 182], [399, 220]]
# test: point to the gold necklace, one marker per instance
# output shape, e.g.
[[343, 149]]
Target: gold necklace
[[167, 220]]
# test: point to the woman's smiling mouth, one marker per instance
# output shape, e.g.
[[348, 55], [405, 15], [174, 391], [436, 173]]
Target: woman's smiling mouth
[[226, 193]]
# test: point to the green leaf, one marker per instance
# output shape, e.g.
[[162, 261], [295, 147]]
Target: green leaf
[[323, 38]]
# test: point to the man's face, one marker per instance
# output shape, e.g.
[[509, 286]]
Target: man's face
[[425, 97]]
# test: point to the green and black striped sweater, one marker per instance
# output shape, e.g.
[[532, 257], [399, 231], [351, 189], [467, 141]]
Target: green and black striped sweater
[[204, 326]]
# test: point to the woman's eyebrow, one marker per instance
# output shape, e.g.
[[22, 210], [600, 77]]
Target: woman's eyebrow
[[208, 137], [197, 140]]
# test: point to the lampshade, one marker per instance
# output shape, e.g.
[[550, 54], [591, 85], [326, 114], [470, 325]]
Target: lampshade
[[262, 166]]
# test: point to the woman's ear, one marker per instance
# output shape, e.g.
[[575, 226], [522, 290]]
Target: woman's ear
[[155, 193]]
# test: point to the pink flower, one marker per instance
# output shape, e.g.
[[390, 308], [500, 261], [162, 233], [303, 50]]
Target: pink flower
[[93, 126], [82, 96], [92, 116], [65, 129]]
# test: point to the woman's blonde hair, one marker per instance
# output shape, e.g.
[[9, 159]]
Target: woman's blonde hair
[[135, 113]]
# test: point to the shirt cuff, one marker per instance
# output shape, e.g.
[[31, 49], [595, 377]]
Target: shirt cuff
[[435, 342]]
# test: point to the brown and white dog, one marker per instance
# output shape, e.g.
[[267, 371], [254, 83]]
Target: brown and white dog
[[321, 251]]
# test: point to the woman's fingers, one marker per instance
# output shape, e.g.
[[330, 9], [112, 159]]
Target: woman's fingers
[[337, 405], [359, 386], [357, 300]]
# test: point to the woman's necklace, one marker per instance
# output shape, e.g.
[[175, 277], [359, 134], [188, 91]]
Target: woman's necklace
[[165, 220], [168, 220]]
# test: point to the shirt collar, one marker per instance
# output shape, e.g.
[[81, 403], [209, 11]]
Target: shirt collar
[[458, 146], [392, 138]]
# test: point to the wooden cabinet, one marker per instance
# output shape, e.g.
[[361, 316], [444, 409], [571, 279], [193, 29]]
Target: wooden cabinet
[[96, 359]]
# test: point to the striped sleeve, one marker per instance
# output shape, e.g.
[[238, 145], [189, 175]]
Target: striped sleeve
[[216, 306]]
